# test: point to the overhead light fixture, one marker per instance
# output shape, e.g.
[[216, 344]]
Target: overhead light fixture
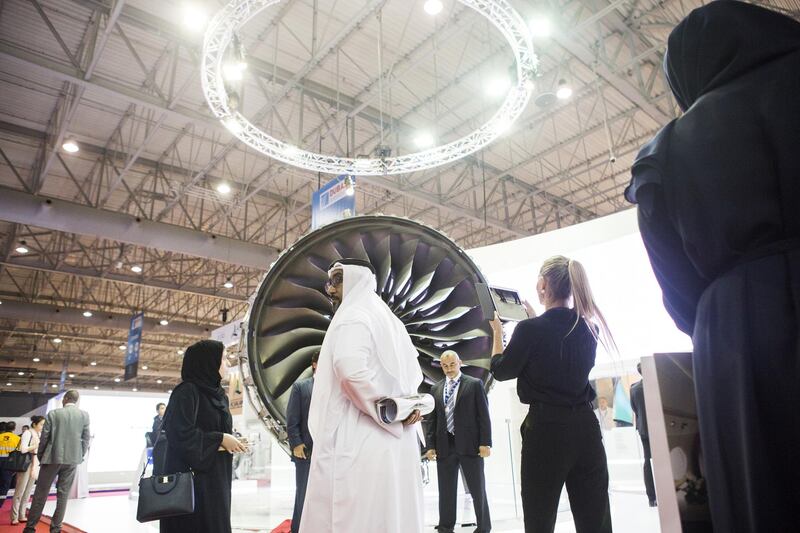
[[117, 380], [93, 363], [541, 27], [233, 125], [72, 375], [8, 384], [122, 347], [501, 126], [96, 387], [424, 140], [350, 186], [228, 285], [498, 86], [144, 367], [135, 389], [564, 91], [57, 340], [87, 314], [20, 373], [54, 386], [169, 391], [70, 145], [234, 70], [180, 352], [193, 17], [433, 7], [36, 359], [136, 268], [223, 188], [163, 321], [159, 381], [290, 150]]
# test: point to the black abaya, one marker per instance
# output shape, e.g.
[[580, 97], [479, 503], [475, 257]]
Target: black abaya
[[719, 193], [196, 419]]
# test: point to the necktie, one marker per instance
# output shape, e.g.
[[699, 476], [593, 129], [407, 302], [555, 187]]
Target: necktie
[[450, 404]]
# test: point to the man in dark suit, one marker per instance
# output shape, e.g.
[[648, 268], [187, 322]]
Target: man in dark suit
[[299, 438], [62, 446], [637, 403], [152, 436], [459, 435]]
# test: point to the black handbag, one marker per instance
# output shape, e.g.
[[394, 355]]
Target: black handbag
[[164, 495], [18, 461]]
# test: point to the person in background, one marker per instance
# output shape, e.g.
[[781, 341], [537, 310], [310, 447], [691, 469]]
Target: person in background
[[718, 191], [8, 443], [198, 426], [637, 403], [29, 443], [24, 429], [561, 440], [459, 437], [161, 408], [300, 439], [604, 414], [63, 444]]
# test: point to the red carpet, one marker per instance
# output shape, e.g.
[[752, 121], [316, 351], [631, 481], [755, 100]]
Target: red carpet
[[42, 527]]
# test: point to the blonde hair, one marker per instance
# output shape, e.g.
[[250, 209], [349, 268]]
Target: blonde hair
[[567, 278]]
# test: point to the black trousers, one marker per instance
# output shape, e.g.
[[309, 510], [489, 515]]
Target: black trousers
[[649, 484], [5, 482], [301, 470], [562, 445], [447, 469]]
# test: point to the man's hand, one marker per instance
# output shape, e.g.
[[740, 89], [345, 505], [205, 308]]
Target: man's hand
[[484, 451], [430, 455], [413, 418], [299, 451]]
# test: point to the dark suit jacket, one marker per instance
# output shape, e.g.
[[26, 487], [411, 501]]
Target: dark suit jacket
[[297, 414], [472, 425], [637, 403], [156, 426]]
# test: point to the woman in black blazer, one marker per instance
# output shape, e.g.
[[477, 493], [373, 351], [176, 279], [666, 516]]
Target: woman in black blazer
[[198, 427]]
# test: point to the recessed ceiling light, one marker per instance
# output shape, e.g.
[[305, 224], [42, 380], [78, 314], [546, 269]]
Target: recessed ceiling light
[[117, 380], [36, 359], [180, 352], [21, 249], [136, 268], [8, 384], [20, 373], [223, 188], [564, 90], [87, 314], [71, 146], [193, 17], [228, 284], [144, 367], [163, 322], [54, 386], [424, 140], [159, 381], [93, 363], [96, 387], [433, 7], [72, 375], [122, 347], [57, 340], [135, 389], [169, 391]]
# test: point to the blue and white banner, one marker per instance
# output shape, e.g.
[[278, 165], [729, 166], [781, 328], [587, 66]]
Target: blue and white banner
[[134, 346], [332, 202]]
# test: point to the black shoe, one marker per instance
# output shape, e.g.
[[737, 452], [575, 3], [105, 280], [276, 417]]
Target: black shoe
[[653, 503]]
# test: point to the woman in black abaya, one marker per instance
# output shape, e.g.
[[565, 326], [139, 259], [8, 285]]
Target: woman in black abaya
[[718, 191], [198, 426]]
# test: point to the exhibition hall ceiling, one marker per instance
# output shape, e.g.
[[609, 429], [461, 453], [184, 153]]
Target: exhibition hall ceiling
[[139, 217]]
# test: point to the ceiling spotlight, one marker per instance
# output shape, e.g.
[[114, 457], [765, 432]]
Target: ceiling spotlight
[[223, 188], [169, 391], [54, 386], [424, 140], [498, 86], [228, 284], [350, 185], [290, 150], [502, 126], [159, 381], [136, 268], [36, 359], [117, 380], [234, 70], [20, 373], [72, 375], [180, 352], [564, 91], [71, 146], [93, 363], [87, 314], [193, 17], [122, 347], [433, 7], [144, 367], [233, 125], [163, 321], [135, 389], [541, 27], [8, 384], [22, 248], [57, 340], [96, 387]]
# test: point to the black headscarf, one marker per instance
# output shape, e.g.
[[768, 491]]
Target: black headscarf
[[201, 367], [722, 41]]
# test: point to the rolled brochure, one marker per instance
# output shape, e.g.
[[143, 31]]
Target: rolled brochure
[[392, 410]]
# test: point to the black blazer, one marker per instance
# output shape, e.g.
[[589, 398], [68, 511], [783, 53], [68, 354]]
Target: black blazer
[[472, 425], [637, 403], [297, 414]]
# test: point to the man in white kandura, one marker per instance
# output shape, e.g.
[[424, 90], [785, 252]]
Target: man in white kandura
[[365, 475]]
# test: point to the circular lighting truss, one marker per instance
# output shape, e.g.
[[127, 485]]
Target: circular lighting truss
[[230, 19], [423, 276]]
